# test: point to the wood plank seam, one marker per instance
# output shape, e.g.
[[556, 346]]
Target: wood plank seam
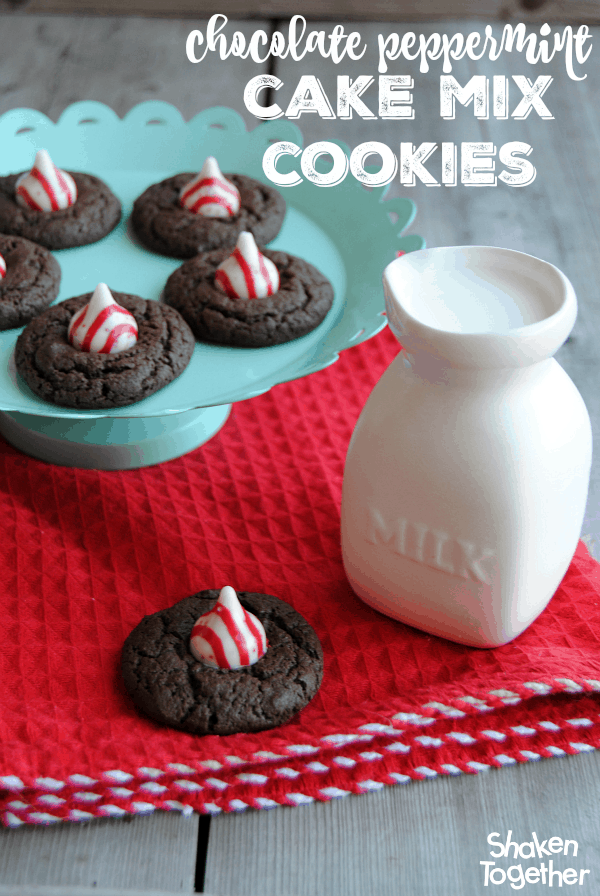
[[201, 853]]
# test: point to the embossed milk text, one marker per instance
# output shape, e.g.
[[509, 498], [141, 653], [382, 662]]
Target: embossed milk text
[[430, 547]]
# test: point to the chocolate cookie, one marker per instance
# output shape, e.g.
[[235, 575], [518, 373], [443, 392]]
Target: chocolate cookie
[[302, 301], [164, 226], [169, 685], [95, 212], [64, 375], [31, 282]]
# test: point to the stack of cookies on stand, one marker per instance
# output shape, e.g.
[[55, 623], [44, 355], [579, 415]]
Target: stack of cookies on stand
[[109, 349]]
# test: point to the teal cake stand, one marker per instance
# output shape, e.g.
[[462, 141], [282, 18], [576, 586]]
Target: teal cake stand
[[348, 232]]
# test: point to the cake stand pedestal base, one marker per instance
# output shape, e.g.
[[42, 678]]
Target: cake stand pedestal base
[[111, 443]]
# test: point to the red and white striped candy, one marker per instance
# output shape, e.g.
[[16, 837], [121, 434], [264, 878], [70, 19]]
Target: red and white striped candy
[[102, 326], [45, 188], [247, 273], [210, 194], [228, 636], [2, 268]]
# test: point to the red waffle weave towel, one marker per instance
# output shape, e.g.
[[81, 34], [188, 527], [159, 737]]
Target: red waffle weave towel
[[86, 554]]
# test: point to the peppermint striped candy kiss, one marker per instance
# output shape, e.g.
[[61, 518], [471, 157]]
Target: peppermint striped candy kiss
[[210, 194], [247, 273], [45, 188], [228, 636], [102, 326], [2, 268]]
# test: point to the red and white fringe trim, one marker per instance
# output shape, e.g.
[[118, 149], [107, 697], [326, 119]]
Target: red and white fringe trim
[[394, 750]]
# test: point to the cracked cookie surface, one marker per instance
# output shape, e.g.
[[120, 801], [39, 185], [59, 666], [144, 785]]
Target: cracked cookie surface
[[31, 282], [64, 375], [92, 216], [165, 227], [301, 303], [168, 684]]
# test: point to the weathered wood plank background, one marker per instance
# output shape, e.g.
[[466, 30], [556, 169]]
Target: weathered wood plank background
[[376, 10], [157, 852], [426, 838]]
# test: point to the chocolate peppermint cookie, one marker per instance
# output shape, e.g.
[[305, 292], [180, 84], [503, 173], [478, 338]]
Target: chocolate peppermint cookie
[[302, 300], [31, 281], [167, 683], [163, 225], [60, 373], [95, 212]]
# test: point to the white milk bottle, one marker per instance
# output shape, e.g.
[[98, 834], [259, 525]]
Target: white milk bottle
[[466, 478]]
